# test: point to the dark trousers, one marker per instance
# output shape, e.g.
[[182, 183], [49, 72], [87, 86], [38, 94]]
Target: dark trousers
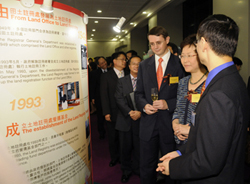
[[130, 151], [100, 119], [149, 151], [113, 139]]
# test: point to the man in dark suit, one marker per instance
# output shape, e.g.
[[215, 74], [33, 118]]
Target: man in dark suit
[[95, 78], [109, 107], [156, 120], [214, 152], [128, 121]]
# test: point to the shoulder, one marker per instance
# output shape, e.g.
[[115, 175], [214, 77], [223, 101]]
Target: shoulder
[[148, 60], [184, 79], [125, 78]]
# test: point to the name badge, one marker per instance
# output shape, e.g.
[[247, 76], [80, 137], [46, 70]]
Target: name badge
[[195, 98], [173, 80], [193, 118]]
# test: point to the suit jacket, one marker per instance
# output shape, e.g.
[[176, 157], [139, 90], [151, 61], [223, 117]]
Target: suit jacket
[[107, 91], [124, 103], [146, 80], [214, 152]]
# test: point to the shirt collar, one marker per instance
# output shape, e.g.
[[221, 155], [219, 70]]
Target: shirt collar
[[131, 76], [118, 71], [216, 70], [165, 57]]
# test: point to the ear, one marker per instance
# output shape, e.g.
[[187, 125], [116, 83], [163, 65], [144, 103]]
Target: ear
[[204, 44], [167, 39]]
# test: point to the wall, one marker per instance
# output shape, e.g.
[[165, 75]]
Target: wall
[[101, 48], [170, 18], [239, 11], [139, 41]]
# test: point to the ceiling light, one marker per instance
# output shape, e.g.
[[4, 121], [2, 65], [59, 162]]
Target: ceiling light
[[96, 21], [149, 14], [135, 25], [46, 7], [92, 34], [114, 39], [144, 12], [131, 23], [27, 3], [93, 30], [118, 26], [99, 11]]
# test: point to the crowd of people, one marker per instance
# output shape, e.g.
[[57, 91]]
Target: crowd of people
[[193, 128]]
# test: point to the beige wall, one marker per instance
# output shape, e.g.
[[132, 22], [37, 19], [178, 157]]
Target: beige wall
[[239, 11], [101, 49], [152, 22]]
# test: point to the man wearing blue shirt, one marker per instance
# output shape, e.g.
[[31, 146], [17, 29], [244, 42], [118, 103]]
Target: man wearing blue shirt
[[214, 152]]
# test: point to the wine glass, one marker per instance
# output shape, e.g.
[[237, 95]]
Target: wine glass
[[154, 94]]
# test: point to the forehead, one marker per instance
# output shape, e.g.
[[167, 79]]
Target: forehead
[[188, 48], [154, 38], [135, 60], [101, 60]]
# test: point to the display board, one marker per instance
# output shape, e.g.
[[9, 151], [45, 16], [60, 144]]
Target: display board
[[44, 91]]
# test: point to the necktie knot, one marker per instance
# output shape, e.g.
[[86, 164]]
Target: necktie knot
[[160, 60]]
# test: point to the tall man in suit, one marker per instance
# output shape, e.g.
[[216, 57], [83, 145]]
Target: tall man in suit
[[109, 107], [214, 152], [156, 121], [128, 121], [95, 78]]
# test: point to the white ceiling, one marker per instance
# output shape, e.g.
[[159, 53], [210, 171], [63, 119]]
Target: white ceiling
[[130, 9]]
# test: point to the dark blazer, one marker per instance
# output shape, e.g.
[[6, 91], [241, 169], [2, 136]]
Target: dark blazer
[[146, 80], [124, 121], [107, 92], [214, 152]]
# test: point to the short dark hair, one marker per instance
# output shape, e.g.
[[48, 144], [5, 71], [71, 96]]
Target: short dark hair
[[189, 40], [221, 32], [93, 65], [237, 61], [99, 58], [117, 54], [158, 31], [174, 47], [133, 53], [129, 61]]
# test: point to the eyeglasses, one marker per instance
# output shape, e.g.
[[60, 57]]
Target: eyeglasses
[[156, 43], [188, 56]]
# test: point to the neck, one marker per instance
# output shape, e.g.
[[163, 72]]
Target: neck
[[166, 51], [117, 68], [197, 75], [133, 74], [215, 61]]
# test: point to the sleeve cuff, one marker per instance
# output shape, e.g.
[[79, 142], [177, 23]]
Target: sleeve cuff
[[178, 151]]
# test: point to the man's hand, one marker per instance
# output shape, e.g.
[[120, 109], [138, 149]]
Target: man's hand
[[135, 115], [107, 117], [170, 156], [149, 109], [160, 104], [164, 167], [93, 101]]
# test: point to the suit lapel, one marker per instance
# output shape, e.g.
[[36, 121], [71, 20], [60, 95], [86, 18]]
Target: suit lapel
[[169, 70], [129, 83], [152, 71]]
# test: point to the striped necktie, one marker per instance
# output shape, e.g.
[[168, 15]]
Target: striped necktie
[[134, 83]]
